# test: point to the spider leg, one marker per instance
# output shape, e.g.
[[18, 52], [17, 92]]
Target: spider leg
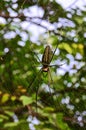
[[49, 82], [37, 87], [53, 86], [58, 104], [37, 57], [57, 65], [53, 52]]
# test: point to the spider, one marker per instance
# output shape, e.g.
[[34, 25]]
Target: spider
[[45, 61]]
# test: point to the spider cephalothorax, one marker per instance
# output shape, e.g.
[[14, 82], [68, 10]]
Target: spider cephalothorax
[[46, 58]]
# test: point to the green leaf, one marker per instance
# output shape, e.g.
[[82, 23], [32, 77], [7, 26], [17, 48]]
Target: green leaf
[[1, 120], [5, 98], [26, 100], [66, 47], [11, 124], [61, 124], [3, 117], [9, 113]]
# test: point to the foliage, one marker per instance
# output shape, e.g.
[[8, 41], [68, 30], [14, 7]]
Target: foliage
[[28, 96]]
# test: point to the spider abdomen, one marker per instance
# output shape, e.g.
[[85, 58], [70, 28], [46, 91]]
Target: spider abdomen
[[46, 58]]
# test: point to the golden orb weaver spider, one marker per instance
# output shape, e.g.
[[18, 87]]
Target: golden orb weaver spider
[[45, 61]]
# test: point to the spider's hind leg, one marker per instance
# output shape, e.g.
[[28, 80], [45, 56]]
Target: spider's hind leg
[[34, 87], [51, 89]]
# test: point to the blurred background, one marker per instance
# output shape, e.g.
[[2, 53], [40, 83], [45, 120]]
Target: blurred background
[[29, 98]]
